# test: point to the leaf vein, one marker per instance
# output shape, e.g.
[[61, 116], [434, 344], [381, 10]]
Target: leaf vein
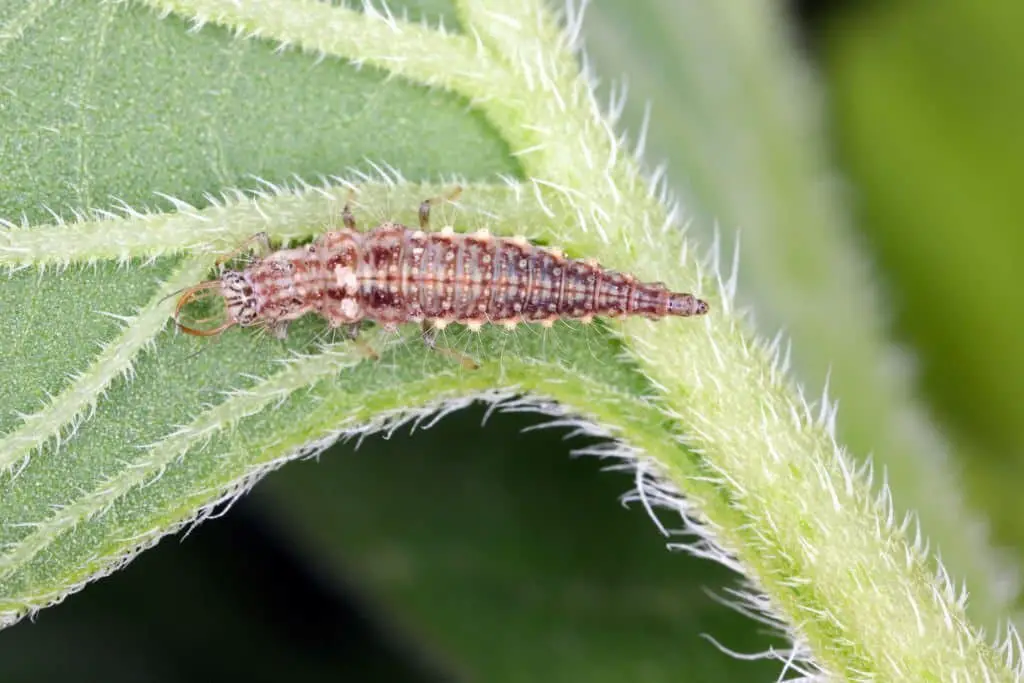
[[68, 408], [241, 404], [285, 213], [421, 54]]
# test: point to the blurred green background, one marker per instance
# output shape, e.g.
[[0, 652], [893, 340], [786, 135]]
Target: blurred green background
[[928, 102], [485, 553]]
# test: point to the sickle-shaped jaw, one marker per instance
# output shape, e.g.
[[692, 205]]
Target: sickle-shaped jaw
[[191, 294]]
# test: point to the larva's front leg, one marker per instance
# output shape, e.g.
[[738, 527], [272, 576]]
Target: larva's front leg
[[278, 329], [347, 219]]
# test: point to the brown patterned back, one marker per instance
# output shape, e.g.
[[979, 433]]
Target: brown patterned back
[[394, 274], [407, 275]]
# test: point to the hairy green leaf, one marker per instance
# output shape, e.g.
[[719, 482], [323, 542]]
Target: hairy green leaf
[[126, 430], [133, 444]]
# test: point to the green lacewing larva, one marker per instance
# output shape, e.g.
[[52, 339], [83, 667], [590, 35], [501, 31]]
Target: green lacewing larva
[[393, 274]]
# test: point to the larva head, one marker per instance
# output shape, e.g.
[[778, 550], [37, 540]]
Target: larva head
[[686, 305], [239, 297]]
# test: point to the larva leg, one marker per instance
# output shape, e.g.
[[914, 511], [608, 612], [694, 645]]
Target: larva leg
[[430, 339], [425, 215], [351, 332], [261, 239], [348, 331], [425, 206], [364, 346], [347, 219], [279, 330]]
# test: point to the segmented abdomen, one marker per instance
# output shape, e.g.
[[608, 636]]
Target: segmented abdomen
[[408, 275]]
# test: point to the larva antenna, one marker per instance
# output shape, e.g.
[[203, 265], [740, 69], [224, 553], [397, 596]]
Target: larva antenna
[[188, 296], [176, 292]]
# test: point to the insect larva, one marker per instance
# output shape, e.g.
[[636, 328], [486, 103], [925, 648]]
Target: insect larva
[[393, 274]]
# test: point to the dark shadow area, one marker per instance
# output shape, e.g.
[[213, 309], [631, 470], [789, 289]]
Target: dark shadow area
[[809, 17], [232, 600]]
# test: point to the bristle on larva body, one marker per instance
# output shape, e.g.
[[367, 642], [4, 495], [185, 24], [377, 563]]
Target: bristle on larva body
[[393, 274]]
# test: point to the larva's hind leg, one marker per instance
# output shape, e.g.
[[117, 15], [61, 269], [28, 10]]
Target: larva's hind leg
[[425, 206], [430, 339], [365, 348]]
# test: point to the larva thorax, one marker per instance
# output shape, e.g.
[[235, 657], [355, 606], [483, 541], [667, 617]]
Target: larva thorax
[[290, 283], [394, 274]]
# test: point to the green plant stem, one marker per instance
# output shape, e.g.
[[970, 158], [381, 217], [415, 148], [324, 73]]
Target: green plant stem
[[754, 158]]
